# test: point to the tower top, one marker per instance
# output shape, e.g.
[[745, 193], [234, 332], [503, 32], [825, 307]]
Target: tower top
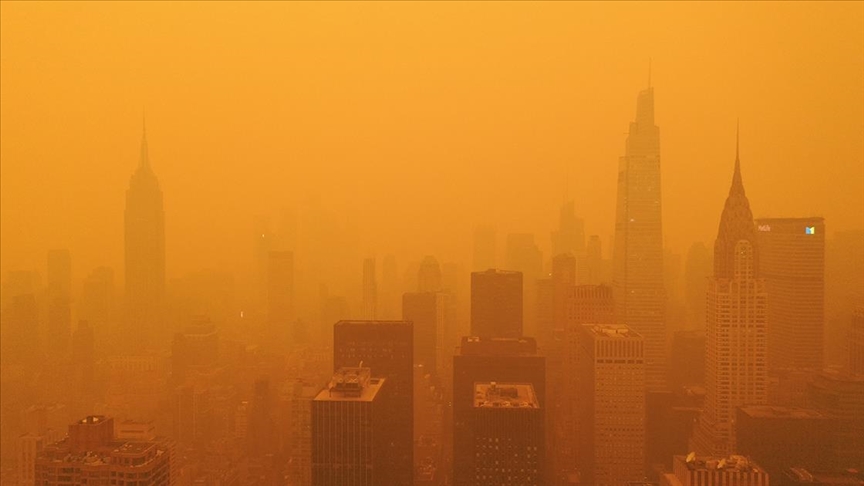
[[144, 161]]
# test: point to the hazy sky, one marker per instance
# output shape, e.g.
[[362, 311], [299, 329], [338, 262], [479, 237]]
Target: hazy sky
[[415, 121]]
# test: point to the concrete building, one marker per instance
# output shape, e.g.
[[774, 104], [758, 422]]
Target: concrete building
[[611, 405], [782, 437], [792, 262], [92, 454], [840, 395], [640, 296], [692, 470], [350, 432], [428, 312], [506, 431], [736, 360]]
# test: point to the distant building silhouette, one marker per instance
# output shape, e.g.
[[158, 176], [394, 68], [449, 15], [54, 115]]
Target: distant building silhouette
[[351, 431], [96, 305], [611, 405], [640, 298], [58, 325], [736, 360], [792, 262], [496, 304], [280, 296], [370, 290], [428, 312], [429, 276], [570, 235], [502, 360], [592, 270], [387, 348], [485, 248], [145, 246], [697, 271]]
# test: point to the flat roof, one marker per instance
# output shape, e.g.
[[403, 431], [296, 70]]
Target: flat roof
[[505, 395], [356, 322], [616, 331], [771, 411], [731, 463], [351, 385]]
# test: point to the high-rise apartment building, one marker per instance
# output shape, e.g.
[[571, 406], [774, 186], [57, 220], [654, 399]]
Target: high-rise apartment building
[[693, 470], [506, 435], [611, 405], [792, 262], [640, 296], [91, 454], [484, 360], [736, 370], [387, 348], [145, 245], [496, 304], [351, 432]]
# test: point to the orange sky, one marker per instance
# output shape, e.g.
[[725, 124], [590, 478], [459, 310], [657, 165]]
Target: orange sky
[[412, 122]]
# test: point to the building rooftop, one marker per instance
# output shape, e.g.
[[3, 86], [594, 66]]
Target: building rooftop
[[771, 411], [498, 346], [353, 384], [371, 322], [731, 463], [505, 395], [616, 331], [801, 475], [495, 271]]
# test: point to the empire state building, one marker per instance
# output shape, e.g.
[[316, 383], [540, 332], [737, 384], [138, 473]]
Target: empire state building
[[145, 242], [639, 292]]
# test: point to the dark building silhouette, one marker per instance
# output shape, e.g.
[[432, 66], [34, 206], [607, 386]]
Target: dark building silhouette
[[697, 271], [792, 262], [96, 305], [570, 235], [195, 349], [736, 359], [640, 296], [145, 246], [84, 356], [370, 290], [58, 325], [507, 433], [429, 275], [351, 431], [687, 359], [484, 360], [387, 348], [496, 304], [782, 437], [280, 295], [427, 310]]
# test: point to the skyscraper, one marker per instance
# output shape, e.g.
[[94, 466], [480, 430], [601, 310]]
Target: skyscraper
[[506, 434], [496, 304], [370, 290], [427, 310], [350, 431], [484, 360], [429, 276], [387, 348], [58, 325], [792, 262], [736, 361], [856, 342], [145, 243], [280, 294], [640, 296], [611, 404], [570, 236]]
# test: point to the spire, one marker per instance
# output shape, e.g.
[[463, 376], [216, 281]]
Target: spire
[[737, 183], [145, 155]]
